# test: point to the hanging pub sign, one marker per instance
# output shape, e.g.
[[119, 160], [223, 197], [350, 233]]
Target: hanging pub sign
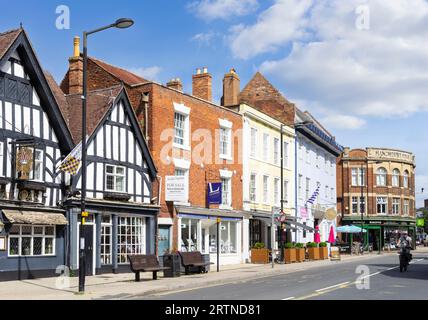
[[214, 193], [24, 162]]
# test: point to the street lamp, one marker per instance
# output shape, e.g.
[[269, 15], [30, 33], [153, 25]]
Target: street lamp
[[120, 24]]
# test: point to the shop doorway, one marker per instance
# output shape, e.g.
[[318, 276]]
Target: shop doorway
[[164, 243], [88, 235]]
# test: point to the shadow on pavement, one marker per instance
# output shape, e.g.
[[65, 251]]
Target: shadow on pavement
[[416, 270]]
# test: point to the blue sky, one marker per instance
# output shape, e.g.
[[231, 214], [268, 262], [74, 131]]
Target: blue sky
[[360, 67]]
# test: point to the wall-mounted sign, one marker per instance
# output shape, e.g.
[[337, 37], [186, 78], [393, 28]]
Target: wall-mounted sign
[[176, 188], [388, 154], [214, 193], [24, 162], [303, 212]]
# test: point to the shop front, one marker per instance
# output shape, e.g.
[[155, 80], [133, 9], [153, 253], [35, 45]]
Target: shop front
[[200, 228], [112, 231], [383, 232]]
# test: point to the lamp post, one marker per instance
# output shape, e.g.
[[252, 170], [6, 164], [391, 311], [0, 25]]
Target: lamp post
[[121, 24]]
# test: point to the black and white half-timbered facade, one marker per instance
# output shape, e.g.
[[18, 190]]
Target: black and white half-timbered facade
[[120, 172], [33, 139]]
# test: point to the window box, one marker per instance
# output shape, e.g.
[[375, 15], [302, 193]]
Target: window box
[[117, 196]]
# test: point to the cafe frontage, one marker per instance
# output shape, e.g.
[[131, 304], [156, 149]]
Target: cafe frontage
[[383, 232]]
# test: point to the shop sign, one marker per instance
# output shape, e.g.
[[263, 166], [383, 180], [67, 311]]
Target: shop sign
[[303, 212], [24, 162], [214, 193], [387, 154], [176, 188], [420, 222]]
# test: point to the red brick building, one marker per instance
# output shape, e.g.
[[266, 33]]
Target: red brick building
[[187, 135], [377, 186]]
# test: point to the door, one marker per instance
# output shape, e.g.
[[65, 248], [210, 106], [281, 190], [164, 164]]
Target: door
[[164, 240], [88, 235]]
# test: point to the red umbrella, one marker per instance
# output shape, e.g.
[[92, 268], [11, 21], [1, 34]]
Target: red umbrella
[[331, 235], [317, 237]]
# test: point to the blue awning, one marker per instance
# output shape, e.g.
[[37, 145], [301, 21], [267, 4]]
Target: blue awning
[[210, 217]]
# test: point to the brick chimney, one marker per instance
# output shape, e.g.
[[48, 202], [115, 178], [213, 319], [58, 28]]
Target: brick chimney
[[75, 73], [231, 89], [202, 84], [175, 84]]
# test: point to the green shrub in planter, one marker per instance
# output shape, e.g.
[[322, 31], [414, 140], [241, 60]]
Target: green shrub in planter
[[323, 244], [299, 245], [311, 245], [259, 245], [288, 245]]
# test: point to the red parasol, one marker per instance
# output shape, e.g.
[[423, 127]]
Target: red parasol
[[331, 235], [317, 237]]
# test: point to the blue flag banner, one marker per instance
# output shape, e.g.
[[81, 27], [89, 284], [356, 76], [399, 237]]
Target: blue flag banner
[[314, 196], [214, 193]]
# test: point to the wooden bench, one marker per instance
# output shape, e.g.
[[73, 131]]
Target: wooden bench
[[145, 263], [193, 259]]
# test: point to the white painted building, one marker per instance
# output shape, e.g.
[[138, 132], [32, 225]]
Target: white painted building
[[316, 152]]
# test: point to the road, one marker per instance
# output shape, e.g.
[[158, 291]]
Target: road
[[378, 278]]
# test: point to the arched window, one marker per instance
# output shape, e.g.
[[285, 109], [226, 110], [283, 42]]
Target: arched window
[[395, 178], [406, 179], [381, 177]]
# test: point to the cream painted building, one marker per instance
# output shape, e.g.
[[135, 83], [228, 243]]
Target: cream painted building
[[262, 171]]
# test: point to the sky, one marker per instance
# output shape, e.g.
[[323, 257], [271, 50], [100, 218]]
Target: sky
[[359, 66]]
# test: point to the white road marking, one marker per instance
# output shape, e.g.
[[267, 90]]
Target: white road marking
[[336, 285], [289, 298]]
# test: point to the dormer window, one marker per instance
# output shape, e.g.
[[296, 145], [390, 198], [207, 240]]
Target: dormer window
[[115, 178]]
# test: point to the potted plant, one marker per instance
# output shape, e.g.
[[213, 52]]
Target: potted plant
[[323, 250], [259, 254], [313, 251], [289, 252], [300, 252]]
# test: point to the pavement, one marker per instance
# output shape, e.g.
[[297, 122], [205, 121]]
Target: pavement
[[123, 286], [375, 277]]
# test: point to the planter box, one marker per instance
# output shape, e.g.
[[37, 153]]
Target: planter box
[[290, 255], [323, 253], [260, 256], [300, 254], [314, 253]]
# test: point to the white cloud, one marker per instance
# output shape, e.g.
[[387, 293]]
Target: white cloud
[[222, 9], [330, 63], [149, 73], [341, 121], [204, 38], [276, 26]]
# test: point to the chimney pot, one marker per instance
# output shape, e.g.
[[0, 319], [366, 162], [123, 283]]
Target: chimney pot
[[198, 71], [175, 83], [202, 84], [205, 70], [76, 51], [231, 89]]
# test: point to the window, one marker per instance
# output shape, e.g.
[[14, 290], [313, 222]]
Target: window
[[253, 187], [189, 235], [226, 199], [225, 142], [358, 176], [27, 240], [115, 178], [308, 183], [326, 161], [285, 149], [381, 177], [332, 167], [381, 205], [396, 206], [1, 158], [106, 237], [300, 186], [358, 205], [326, 192], [406, 207], [276, 151], [285, 192], [253, 142], [406, 179], [332, 193], [276, 191], [265, 146], [228, 234], [300, 150], [179, 172], [395, 178], [317, 159], [265, 188], [308, 155], [179, 128], [130, 237]]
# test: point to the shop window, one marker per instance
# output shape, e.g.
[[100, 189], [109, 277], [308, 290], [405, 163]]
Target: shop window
[[115, 178], [26, 240], [189, 235], [255, 232], [106, 237], [228, 235], [130, 237]]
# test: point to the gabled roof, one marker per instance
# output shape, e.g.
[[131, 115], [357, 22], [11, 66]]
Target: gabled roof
[[99, 106], [51, 96], [123, 75], [261, 94]]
